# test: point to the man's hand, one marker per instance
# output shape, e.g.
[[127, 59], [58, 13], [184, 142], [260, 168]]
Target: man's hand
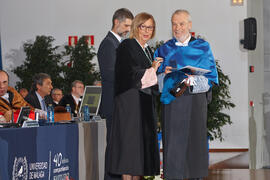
[[168, 69], [8, 115], [189, 81]]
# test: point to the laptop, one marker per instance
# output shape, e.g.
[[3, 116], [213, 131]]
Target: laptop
[[23, 115], [91, 97]]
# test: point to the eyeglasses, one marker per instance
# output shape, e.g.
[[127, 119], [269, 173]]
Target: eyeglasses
[[149, 28], [58, 94]]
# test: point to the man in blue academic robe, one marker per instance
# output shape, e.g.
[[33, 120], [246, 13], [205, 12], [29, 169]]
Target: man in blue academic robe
[[185, 117]]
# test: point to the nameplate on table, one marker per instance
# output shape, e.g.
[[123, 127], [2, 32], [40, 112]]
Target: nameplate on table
[[96, 118], [30, 123]]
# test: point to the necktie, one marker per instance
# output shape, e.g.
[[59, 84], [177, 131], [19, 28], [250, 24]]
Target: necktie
[[44, 107]]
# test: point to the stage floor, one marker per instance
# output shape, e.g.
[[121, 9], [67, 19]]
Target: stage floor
[[238, 174], [233, 166]]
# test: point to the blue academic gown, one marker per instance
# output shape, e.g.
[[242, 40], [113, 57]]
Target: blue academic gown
[[185, 117]]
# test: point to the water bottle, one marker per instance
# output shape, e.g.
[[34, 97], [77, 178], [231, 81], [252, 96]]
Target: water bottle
[[68, 108], [50, 113], [86, 115]]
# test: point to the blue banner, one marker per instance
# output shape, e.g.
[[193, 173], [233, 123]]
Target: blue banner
[[48, 152]]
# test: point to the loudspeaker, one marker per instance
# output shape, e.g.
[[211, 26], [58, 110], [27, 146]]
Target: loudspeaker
[[250, 33]]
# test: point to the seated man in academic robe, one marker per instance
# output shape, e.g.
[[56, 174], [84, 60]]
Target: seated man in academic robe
[[10, 99]]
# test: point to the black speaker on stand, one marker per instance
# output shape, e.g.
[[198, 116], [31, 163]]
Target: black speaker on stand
[[250, 33]]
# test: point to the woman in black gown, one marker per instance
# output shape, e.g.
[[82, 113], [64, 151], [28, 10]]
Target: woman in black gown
[[133, 144]]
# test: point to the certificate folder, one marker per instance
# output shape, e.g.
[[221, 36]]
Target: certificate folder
[[180, 87], [194, 70]]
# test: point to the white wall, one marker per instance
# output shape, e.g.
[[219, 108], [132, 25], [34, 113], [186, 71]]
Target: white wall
[[217, 21], [266, 96], [256, 89]]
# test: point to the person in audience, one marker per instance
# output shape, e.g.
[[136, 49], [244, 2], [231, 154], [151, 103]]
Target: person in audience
[[97, 83], [121, 23], [184, 128], [23, 92], [10, 99], [74, 98], [57, 95], [39, 96], [133, 148]]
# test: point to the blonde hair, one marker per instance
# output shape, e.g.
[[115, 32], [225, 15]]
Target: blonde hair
[[139, 20]]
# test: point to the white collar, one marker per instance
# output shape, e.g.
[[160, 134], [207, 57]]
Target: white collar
[[6, 96], [185, 43], [76, 99], [117, 36], [39, 96], [145, 45]]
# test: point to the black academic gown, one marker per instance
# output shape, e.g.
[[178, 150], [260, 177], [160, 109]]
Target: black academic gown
[[133, 147]]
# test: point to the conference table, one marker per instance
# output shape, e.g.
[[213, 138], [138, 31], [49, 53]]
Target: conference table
[[54, 152]]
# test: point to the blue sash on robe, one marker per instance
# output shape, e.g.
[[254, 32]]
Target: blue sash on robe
[[197, 54]]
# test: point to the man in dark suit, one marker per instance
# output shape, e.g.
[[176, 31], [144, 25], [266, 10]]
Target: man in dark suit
[[74, 98], [39, 96], [121, 20]]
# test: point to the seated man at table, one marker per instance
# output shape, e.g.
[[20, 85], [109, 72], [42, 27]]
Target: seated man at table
[[74, 98], [57, 95], [10, 99], [39, 96]]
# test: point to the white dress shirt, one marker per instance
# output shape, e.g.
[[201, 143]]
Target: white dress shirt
[[117, 36]]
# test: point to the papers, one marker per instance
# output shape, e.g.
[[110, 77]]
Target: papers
[[194, 70]]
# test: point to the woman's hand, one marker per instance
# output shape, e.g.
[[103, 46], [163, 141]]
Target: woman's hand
[[156, 63]]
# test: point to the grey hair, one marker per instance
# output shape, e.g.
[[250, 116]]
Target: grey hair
[[56, 89], [74, 83], [179, 11], [122, 14], [38, 80]]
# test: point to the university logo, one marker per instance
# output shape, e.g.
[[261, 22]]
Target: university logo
[[20, 169]]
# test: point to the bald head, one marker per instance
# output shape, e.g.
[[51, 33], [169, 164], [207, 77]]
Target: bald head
[[3, 82]]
